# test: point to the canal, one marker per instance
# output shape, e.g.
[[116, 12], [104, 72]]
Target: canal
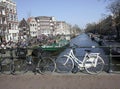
[[84, 42]]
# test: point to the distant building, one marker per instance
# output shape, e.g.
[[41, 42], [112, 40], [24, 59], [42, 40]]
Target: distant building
[[33, 26], [45, 25], [62, 28], [12, 20], [24, 30], [48, 26]]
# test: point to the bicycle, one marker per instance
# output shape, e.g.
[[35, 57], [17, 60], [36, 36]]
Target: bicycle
[[37, 63], [92, 62], [6, 63], [19, 54]]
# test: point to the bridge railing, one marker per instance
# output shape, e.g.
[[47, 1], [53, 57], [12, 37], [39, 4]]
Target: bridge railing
[[110, 55]]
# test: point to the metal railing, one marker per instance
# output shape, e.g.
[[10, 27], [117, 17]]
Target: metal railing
[[110, 56]]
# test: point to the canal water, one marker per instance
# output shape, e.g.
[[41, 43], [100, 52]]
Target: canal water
[[84, 42]]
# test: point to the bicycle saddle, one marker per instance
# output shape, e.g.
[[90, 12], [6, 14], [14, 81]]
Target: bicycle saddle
[[87, 50]]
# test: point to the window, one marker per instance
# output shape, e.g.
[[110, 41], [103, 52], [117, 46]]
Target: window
[[9, 25], [3, 12], [11, 17], [38, 20]]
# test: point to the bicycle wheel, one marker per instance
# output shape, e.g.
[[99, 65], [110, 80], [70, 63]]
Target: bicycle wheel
[[6, 66], [64, 65], [21, 66], [0, 68], [12, 67], [46, 65], [91, 68]]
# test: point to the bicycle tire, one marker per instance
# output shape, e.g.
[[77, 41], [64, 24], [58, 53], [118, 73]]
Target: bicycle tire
[[6, 66], [12, 67], [21, 66], [94, 70], [62, 67], [0, 68], [46, 65]]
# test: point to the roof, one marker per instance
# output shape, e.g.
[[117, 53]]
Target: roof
[[30, 19], [23, 23]]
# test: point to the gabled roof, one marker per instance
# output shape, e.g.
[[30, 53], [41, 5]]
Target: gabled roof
[[30, 19], [23, 23]]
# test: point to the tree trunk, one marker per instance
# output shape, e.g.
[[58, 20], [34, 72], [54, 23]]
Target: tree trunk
[[118, 32]]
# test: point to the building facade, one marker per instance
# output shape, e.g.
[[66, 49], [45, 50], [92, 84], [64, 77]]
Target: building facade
[[62, 28], [3, 22], [33, 26], [24, 30], [12, 20], [45, 25]]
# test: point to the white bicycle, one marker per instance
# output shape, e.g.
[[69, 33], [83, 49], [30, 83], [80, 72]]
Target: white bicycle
[[92, 62]]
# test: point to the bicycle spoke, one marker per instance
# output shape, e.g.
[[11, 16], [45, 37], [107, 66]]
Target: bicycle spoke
[[94, 69], [47, 65], [63, 66]]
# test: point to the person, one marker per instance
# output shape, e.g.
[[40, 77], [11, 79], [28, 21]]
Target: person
[[2, 48]]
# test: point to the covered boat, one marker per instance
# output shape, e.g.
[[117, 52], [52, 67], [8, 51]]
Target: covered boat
[[56, 46]]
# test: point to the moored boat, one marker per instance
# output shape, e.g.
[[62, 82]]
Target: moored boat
[[56, 46]]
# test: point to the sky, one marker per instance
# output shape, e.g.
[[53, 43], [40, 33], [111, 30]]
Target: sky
[[79, 12]]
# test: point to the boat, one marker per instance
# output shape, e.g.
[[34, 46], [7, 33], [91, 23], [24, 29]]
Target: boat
[[56, 46]]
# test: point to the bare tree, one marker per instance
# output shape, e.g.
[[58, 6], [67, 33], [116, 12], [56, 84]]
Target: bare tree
[[114, 8]]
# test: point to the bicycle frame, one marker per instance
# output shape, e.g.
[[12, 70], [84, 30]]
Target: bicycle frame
[[93, 57], [73, 58]]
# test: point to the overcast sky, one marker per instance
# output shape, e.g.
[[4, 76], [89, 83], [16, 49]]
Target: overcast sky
[[78, 12]]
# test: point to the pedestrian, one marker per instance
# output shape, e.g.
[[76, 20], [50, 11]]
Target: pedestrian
[[3, 48]]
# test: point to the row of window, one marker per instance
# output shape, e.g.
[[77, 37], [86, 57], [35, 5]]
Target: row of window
[[42, 24], [12, 26], [3, 20], [12, 17], [33, 25]]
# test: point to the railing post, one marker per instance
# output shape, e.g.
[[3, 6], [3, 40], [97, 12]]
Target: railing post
[[110, 60]]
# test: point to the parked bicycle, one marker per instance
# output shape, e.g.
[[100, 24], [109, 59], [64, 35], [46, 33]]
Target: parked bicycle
[[92, 62], [35, 62], [6, 62]]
